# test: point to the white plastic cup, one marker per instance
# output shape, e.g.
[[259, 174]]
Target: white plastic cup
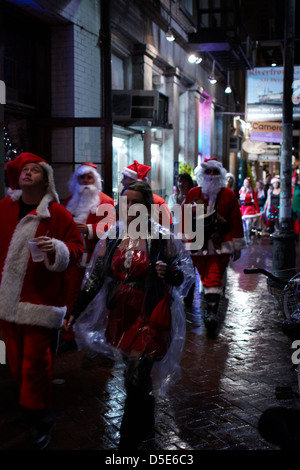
[[36, 253]]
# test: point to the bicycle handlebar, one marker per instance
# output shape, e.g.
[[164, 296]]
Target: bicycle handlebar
[[266, 273], [256, 271]]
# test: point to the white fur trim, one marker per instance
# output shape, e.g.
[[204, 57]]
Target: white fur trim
[[51, 191], [212, 164], [48, 316], [14, 194], [15, 266], [62, 257], [130, 173], [214, 290]]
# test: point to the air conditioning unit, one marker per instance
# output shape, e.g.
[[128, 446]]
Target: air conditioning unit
[[136, 106]]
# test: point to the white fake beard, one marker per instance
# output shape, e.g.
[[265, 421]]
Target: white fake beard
[[211, 186], [84, 200]]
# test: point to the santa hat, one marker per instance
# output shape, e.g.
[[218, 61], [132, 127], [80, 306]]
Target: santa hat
[[136, 171], [275, 180], [14, 168], [230, 175], [82, 170], [209, 163]]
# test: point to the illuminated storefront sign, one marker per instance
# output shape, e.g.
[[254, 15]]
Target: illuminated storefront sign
[[264, 95], [266, 132]]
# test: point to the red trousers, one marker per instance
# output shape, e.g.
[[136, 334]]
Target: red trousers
[[211, 269], [30, 358]]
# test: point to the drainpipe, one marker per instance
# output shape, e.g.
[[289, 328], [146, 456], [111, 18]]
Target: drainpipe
[[105, 47], [284, 252]]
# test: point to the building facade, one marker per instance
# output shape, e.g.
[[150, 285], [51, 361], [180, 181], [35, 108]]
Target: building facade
[[98, 80]]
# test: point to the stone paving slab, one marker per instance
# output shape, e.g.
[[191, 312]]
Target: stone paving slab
[[226, 383]]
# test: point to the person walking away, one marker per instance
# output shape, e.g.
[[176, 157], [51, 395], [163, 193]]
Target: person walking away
[[212, 261], [85, 198], [33, 294], [129, 308]]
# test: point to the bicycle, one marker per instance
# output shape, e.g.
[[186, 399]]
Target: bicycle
[[285, 290]]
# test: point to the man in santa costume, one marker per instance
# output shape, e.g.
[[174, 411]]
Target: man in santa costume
[[212, 259], [85, 187], [33, 294], [139, 171]]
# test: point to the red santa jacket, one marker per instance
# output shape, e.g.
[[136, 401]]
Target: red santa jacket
[[35, 293], [95, 227], [227, 207]]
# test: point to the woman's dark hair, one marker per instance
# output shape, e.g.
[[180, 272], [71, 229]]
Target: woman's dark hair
[[145, 189], [186, 177]]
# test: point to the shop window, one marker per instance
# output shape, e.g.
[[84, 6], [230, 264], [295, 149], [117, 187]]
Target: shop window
[[120, 160]]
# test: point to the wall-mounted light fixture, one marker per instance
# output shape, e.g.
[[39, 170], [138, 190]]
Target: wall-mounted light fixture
[[228, 88], [211, 78], [194, 59], [169, 35]]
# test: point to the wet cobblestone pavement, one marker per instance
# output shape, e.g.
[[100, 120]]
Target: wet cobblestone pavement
[[226, 383]]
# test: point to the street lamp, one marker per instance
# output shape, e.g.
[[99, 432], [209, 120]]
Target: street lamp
[[228, 88], [211, 78]]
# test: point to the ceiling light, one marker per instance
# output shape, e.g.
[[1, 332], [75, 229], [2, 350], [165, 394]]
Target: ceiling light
[[273, 64], [194, 59], [228, 88], [169, 35], [211, 78]]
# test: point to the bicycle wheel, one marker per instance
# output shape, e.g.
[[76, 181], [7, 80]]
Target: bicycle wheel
[[291, 296]]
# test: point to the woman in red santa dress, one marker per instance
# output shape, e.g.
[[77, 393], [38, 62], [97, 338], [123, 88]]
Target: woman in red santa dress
[[130, 308], [249, 206], [89, 207]]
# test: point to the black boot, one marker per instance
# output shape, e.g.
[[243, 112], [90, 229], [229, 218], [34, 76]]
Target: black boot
[[40, 423], [211, 314], [138, 421]]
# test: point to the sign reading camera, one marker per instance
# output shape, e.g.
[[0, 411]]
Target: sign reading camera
[[2, 92]]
